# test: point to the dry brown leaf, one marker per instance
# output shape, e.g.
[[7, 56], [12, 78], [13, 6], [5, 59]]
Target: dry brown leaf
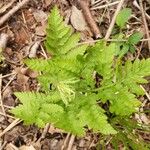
[[77, 19], [40, 16], [40, 30], [22, 79], [32, 74], [47, 3]]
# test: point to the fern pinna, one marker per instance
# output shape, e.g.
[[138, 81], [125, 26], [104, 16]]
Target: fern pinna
[[69, 98]]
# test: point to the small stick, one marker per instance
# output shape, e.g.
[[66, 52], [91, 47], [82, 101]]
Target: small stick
[[12, 146], [6, 106], [3, 9], [104, 6], [97, 3], [89, 18], [110, 40], [44, 133], [113, 20], [145, 22], [13, 124], [3, 146], [7, 75], [9, 116], [138, 7], [72, 138], [44, 53], [9, 82], [1, 101], [65, 142], [147, 95], [12, 11]]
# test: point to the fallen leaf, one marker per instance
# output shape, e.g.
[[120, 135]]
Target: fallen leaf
[[77, 19], [40, 16], [47, 3], [40, 30], [22, 79]]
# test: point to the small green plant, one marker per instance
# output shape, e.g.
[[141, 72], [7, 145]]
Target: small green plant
[[123, 17], [82, 87], [129, 44]]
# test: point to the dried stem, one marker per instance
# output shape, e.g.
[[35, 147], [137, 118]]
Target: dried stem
[[89, 18], [145, 22], [4, 18], [114, 19]]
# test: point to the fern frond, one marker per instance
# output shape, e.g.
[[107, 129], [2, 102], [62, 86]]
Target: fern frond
[[132, 74], [93, 116], [39, 64], [83, 112], [122, 102], [59, 39], [80, 50], [102, 56], [35, 104]]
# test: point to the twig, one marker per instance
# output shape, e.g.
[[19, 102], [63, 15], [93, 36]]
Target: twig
[[72, 138], [12, 11], [111, 40], [89, 18], [97, 3], [6, 106], [145, 22], [7, 115], [113, 20], [1, 101], [147, 95], [4, 144], [12, 146], [138, 7], [65, 142], [13, 124], [9, 82], [104, 6], [44, 53], [3, 9], [44, 133], [7, 75]]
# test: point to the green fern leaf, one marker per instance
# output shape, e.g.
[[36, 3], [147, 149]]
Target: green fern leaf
[[122, 102], [39, 64], [34, 105], [59, 38], [132, 74]]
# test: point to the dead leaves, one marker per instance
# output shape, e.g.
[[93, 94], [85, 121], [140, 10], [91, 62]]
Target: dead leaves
[[77, 19]]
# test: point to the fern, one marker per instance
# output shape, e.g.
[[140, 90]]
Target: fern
[[78, 81]]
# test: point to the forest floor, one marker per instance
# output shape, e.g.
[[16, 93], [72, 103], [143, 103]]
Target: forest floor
[[22, 36]]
